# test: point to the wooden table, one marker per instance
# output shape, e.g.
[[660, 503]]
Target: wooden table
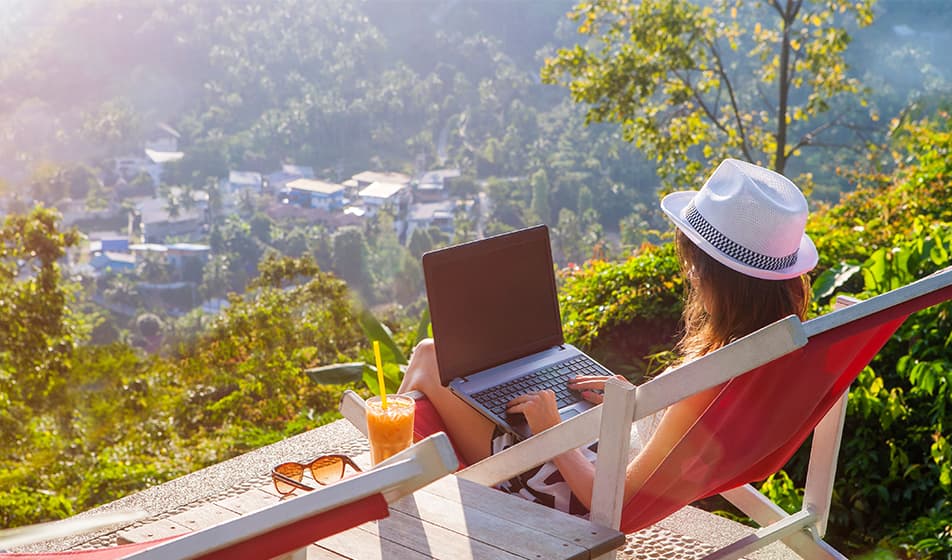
[[452, 518]]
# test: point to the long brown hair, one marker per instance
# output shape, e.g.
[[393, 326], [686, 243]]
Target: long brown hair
[[723, 305]]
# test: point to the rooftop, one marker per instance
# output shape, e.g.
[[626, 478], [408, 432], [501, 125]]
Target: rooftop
[[429, 210], [250, 178], [189, 247], [154, 210], [381, 177], [298, 170], [148, 247], [163, 157], [381, 190], [315, 186], [438, 176]]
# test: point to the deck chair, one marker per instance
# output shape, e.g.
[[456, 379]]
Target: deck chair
[[287, 527], [753, 427], [760, 417]]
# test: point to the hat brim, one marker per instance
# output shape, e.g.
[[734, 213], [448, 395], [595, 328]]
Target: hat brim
[[674, 204]]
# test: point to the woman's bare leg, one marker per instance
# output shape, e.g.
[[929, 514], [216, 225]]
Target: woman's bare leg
[[470, 430]]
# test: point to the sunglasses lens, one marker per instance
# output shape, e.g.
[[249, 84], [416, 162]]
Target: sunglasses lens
[[327, 469], [290, 470]]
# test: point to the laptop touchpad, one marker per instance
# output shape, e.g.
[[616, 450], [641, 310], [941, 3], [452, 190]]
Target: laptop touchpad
[[566, 414]]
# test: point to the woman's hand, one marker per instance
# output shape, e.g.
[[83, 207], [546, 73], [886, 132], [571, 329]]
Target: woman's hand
[[540, 409], [592, 386]]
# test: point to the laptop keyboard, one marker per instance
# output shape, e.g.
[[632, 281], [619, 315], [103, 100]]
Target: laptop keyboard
[[554, 377]]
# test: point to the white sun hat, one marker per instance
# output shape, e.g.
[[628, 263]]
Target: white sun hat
[[749, 218]]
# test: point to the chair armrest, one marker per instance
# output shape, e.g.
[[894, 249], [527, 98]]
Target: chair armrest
[[354, 410], [737, 358], [575, 432]]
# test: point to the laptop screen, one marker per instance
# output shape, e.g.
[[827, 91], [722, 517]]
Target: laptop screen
[[492, 301]]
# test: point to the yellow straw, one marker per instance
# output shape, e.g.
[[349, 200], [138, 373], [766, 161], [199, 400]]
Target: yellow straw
[[383, 391]]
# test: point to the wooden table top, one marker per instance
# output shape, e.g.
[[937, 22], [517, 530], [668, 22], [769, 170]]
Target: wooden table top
[[451, 518]]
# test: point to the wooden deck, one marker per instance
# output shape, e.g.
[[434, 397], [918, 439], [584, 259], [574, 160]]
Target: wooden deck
[[241, 484]]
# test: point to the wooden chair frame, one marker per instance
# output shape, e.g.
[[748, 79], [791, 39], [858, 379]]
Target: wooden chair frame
[[398, 476]]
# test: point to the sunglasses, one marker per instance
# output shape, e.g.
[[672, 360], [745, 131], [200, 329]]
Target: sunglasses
[[325, 470]]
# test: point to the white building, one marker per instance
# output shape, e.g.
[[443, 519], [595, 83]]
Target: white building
[[366, 178], [312, 193], [378, 195]]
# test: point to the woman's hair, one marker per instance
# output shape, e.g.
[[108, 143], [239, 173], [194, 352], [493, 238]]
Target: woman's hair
[[723, 305]]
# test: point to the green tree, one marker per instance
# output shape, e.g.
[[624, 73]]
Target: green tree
[[568, 232], [37, 333], [420, 242], [540, 196], [115, 126], [153, 268], [261, 227], [683, 79], [584, 200], [351, 259], [216, 277]]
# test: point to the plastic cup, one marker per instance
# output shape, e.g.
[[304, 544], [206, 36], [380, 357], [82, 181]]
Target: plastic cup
[[391, 430]]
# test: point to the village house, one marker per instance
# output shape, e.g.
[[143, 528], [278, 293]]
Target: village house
[[160, 148], [366, 178], [433, 185], [179, 254], [312, 193], [241, 180], [425, 215], [278, 180], [113, 261], [379, 195], [75, 210], [156, 223]]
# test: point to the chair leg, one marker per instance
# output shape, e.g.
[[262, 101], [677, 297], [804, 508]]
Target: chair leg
[[821, 470], [786, 527], [765, 513]]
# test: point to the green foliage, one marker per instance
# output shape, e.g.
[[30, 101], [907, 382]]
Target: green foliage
[[929, 536], [251, 357], [601, 295], [23, 506], [781, 490], [623, 313], [895, 459], [885, 205], [37, 333], [393, 358], [351, 259], [716, 79]]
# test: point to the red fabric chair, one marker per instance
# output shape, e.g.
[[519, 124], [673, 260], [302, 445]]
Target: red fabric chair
[[763, 413], [426, 422], [291, 525]]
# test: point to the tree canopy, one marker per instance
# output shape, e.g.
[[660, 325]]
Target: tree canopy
[[694, 82]]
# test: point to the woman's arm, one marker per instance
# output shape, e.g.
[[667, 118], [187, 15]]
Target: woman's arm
[[675, 422], [542, 413]]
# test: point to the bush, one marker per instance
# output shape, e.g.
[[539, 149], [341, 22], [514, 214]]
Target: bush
[[623, 313]]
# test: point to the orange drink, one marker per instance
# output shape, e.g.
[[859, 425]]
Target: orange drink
[[391, 429]]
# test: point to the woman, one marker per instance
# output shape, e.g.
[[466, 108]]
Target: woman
[[744, 255]]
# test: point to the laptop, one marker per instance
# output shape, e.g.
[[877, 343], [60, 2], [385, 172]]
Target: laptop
[[494, 311]]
